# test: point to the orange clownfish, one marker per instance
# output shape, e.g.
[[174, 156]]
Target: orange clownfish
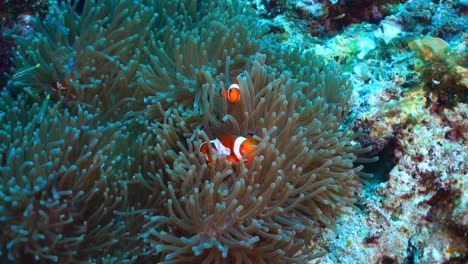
[[61, 87], [233, 92], [231, 146]]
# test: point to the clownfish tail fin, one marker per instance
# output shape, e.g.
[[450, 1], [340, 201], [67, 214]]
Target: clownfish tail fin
[[203, 147]]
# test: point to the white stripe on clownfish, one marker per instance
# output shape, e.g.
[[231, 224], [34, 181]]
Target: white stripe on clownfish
[[237, 145]]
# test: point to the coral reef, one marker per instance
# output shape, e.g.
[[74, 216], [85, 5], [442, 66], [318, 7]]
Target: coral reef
[[435, 18], [328, 18], [443, 70], [104, 117], [409, 100], [420, 207], [421, 210]]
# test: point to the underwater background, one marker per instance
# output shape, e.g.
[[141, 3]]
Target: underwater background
[[120, 122]]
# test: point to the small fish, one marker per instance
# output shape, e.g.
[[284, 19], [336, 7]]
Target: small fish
[[25, 72], [43, 109], [232, 94], [60, 86], [231, 146]]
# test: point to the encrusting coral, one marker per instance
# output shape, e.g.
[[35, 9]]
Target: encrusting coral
[[113, 169], [443, 70]]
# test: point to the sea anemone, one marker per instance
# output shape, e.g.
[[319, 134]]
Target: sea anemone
[[271, 206], [120, 158], [56, 184]]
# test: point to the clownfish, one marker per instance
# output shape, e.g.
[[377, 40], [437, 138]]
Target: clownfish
[[61, 87], [232, 94], [231, 146]]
